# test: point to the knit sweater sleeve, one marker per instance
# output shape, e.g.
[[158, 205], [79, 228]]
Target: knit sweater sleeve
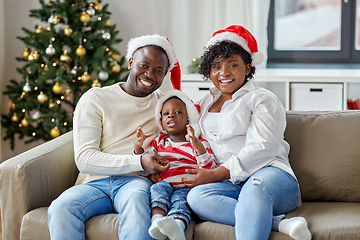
[[88, 123]]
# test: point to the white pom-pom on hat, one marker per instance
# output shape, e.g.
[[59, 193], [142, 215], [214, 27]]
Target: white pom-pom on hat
[[193, 113], [241, 36], [164, 43]]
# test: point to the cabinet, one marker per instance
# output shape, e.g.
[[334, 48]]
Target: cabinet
[[280, 80]]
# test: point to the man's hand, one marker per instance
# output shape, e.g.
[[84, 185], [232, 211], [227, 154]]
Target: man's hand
[[204, 176], [153, 163], [155, 178]]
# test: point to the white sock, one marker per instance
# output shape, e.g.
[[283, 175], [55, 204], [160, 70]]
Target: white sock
[[154, 230], [295, 227], [172, 228]]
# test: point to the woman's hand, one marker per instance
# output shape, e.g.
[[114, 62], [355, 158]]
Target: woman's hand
[[204, 176]]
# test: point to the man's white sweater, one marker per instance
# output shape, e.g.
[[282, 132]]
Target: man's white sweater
[[105, 124]]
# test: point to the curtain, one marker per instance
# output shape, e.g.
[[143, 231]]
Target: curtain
[[189, 24]]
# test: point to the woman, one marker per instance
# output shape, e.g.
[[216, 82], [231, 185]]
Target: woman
[[254, 186]]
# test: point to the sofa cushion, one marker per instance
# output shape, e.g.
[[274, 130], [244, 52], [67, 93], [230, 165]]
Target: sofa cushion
[[105, 227], [216, 231], [325, 154], [331, 220]]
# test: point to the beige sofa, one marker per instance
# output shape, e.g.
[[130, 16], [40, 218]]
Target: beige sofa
[[325, 155]]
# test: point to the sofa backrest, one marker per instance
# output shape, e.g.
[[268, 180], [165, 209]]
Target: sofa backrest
[[325, 154]]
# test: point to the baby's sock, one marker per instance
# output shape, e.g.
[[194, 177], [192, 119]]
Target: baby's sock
[[154, 230], [296, 228], [173, 228]]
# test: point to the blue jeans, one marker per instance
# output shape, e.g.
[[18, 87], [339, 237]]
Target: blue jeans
[[129, 196], [251, 206], [171, 200]]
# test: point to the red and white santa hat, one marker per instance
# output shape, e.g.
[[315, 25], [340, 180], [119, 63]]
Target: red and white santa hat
[[164, 43], [241, 36], [192, 111]]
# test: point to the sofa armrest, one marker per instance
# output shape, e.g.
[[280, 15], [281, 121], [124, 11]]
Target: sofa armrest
[[33, 179]]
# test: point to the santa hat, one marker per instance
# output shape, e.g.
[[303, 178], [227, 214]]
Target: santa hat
[[164, 43], [241, 36], [193, 114]]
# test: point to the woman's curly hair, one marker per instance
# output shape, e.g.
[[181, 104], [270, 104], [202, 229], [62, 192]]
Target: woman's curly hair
[[220, 51]]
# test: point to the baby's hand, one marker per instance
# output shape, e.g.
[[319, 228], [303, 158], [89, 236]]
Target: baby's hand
[[140, 138], [194, 140]]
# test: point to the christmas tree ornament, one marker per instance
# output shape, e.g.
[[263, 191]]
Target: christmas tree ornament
[[85, 18], [50, 50], [42, 97], [67, 91], [51, 19], [57, 88], [39, 29], [56, 19], [14, 118], [90, 11], [33, 56], [96, 84], [54, 132], [13, 106], [51, 103], [73, 71], [64, 57], [24, 122], [46, 68], [49, 3], [115, 56], [97, 6], [36, 115], [48, 27], [106, 36], [103, 75], [27, 87], [67, 31], [80, 51], [26, 53], [85, 77], [108, 22], [115, 68]]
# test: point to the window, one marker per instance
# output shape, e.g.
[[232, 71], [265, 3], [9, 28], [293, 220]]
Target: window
[[314, 31]]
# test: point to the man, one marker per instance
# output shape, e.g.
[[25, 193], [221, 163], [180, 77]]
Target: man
[[105, 124]]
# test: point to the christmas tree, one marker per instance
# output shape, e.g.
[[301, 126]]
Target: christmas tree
[[71, 51]]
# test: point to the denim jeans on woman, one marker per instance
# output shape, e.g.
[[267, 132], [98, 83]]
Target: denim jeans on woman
[[126, 195], [252, 206], [171, 200]]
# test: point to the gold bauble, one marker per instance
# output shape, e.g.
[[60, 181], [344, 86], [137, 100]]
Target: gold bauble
[[13, 106], [24, 122], [108, 22], [56, 19], [39, 29], [54, 132], [30, 57], [26, 53], [48, 27], [35, 55], [67, 31], [51, 103], [57, 88], [14, 118], [116, 68], [46, 68], [115, 56], [85, 77], [80, 51], [96, 83], [64, 57], [85, 18], [68, 91], [42, 97], [97, 6]]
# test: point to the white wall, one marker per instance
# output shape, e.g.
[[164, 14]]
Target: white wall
[[132, 18]]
